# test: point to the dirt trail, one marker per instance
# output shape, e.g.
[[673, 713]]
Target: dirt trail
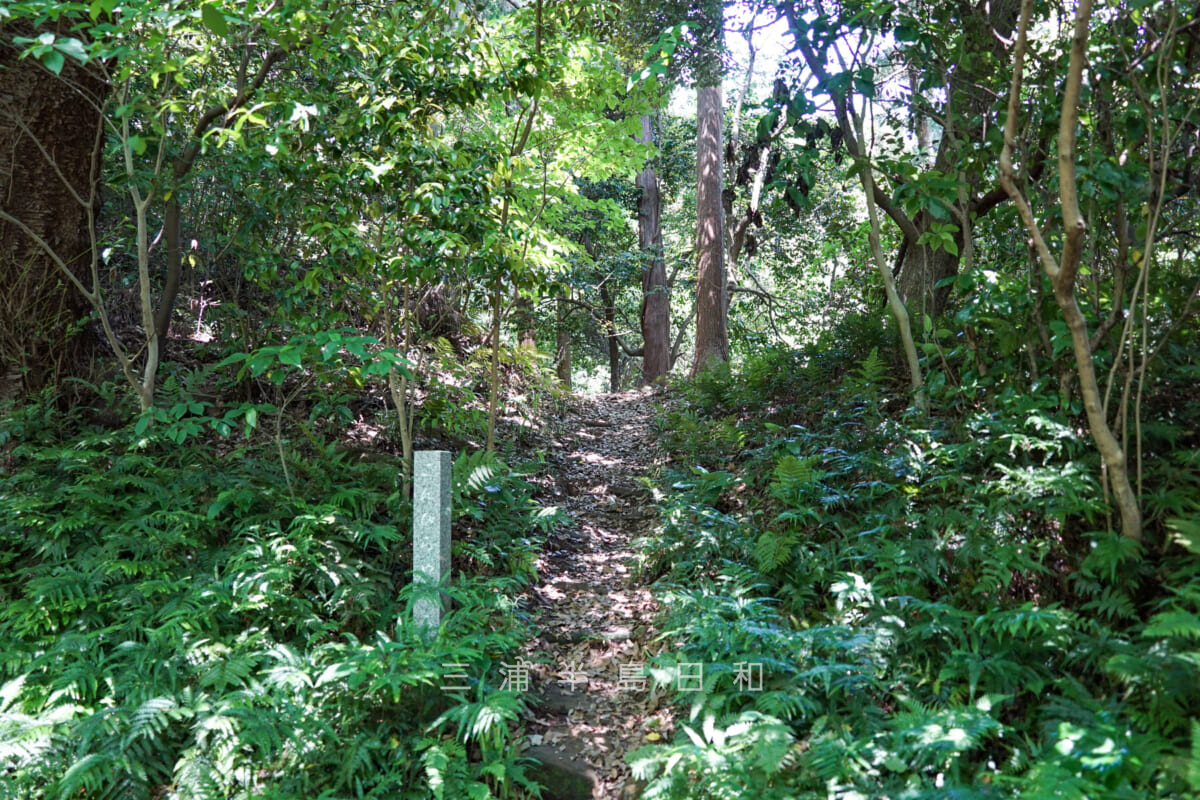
[[591, 704]]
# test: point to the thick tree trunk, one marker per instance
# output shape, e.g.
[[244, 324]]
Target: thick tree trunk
[[656, 297], [899, 312], [49, 161], [921, 269], [523, 317], [920, 120], [166, 301], [964, 115], [712, 336]]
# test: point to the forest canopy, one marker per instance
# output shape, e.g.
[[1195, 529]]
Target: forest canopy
[[915, 284]]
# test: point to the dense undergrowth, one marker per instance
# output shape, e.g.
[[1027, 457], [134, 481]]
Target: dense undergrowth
[[189, 615], [937, 604]]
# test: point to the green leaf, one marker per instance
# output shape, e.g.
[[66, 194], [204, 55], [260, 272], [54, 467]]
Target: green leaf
[[838, 84], [864, 83], [937, 209], [73, 48], [54, 61], [214, 19], [262, 360], [1194, 763], [290, 355]]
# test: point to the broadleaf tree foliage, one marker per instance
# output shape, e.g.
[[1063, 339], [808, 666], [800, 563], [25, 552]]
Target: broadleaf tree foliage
[[919, 282]]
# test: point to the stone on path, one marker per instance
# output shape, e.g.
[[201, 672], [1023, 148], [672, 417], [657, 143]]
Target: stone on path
[[562, 775], [632, 790], [554, 700]]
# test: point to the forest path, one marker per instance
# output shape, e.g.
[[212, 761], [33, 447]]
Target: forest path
[[590, 705]]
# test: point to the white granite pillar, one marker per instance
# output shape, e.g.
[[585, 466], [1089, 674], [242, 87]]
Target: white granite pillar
[[431, 532]]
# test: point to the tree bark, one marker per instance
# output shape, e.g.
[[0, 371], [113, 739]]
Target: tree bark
[[656, 296], [920, 119], [49, 162], [921, 269], [562, 353], [965, 116], [523, 318], [1063, 273], [614, 342], [166, 301], [920, 396], [712, 335]]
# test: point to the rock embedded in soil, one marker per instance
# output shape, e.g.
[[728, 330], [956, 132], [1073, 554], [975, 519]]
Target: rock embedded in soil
[[562, 776]]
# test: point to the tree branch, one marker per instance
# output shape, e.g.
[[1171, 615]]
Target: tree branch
[[853, 146], [185, 160]]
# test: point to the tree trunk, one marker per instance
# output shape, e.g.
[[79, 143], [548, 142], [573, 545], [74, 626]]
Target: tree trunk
[[49, 161], [656, 296], [614, 344], [920, 396], [523, 317], [1065, 270], [965, 116], [712, 335], [921, 268], [562, 353], [166, 301], [920, 119]]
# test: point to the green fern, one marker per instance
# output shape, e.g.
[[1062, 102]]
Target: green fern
[[171, 614], [872, 369], [1183, 624], [1193, 766], [773, 550], [792, 472]]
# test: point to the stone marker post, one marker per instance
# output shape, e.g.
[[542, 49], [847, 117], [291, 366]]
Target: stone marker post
[[431, 532]]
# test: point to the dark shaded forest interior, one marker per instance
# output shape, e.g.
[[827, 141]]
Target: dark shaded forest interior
[[821, 384]]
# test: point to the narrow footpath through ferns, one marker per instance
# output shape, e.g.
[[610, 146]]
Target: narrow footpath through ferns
[[591, 704]]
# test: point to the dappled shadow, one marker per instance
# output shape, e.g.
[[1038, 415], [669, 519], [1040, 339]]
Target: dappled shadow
[[594, 620]]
